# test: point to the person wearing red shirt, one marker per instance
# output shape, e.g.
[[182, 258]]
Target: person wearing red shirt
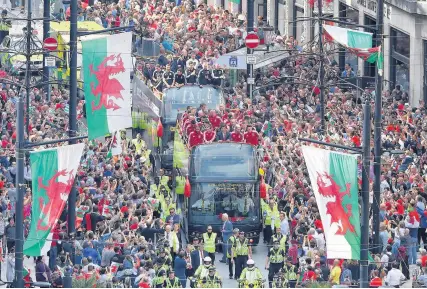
[[251, 136], [236, 135], [190, 129], [195, 138], [209, 135], [214, 119]]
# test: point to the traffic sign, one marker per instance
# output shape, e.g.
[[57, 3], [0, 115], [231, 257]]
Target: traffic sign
[[250, 59], [251, 80], [252, 40], [50, 61], [50, 43]]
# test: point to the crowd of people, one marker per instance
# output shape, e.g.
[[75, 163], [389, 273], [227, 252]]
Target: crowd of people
[[128, 225]]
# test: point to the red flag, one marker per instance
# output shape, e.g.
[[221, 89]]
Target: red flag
[[187, 188], [159, 129], [262, 189]]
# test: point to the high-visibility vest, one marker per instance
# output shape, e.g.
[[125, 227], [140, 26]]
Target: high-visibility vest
[[269, 214], [154, 189], [211, 282], [282, 241], [164, 181], [209, 242], [231, 242], [290, 273], [175, 284], [175, 242], [241, 249], [276, 256]]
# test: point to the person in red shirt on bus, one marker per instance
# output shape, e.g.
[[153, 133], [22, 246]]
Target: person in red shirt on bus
[[236, 135], [209, 135], [214, 119], [251, 136], [196, 137]]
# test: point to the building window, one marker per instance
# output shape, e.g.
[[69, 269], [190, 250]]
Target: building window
[[399, 58], [369, 68], [350, 15]]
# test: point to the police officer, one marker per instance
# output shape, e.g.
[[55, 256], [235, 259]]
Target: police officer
[[179, 78], [274, 261], [231, 241], [190, 74], [164, 179], [204, 77], [217, 76], [155, 187], [209, 241], [279, 237], [242, 251], [159, 280], [212, 280], [157, 78], [271, 217], [5, 25], [291, 273], [168, 77], [172, 281]]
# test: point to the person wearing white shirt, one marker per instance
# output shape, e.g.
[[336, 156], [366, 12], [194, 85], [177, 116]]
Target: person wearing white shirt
[[284, 224], [394, 277]]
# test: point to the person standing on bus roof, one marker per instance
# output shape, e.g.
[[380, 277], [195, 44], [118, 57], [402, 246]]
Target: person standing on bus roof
[[224, 135], [196, 137], [190, 74], [209, 239], [179, 78], [168, 77], [236, 135], [205, 76], [209, 135], [214, 119], [157, 78], [251, 136], [217, 76]]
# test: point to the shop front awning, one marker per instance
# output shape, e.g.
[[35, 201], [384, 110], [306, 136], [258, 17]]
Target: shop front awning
[[237, 58]]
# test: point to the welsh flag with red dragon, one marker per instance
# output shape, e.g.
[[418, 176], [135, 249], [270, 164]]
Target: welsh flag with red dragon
[[333, 177], [53, 172]]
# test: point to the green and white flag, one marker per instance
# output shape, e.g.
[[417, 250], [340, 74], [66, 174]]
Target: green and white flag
[[349, 37], [107, 65], [356, 42], [53, 172], [333, 179]]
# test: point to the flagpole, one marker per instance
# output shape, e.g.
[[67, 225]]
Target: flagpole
[[377, 130], [364, 246], [321, 69], [72, 133]]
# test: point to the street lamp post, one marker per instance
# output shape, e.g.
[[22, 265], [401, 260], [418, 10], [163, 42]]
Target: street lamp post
[[377, 132], [321, 70]]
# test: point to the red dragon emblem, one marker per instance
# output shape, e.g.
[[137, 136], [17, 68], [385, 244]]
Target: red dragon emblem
[[329, 188], [108, 88], [57, 193]]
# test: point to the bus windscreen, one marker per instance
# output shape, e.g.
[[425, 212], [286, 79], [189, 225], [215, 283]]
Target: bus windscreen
[[224, 161], [176, 100]]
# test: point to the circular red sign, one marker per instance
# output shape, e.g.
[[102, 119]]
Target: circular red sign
[[50, 43], [252, 40]]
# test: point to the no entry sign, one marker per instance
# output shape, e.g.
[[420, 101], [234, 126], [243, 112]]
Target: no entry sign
[[252, 40], [50, 43]]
